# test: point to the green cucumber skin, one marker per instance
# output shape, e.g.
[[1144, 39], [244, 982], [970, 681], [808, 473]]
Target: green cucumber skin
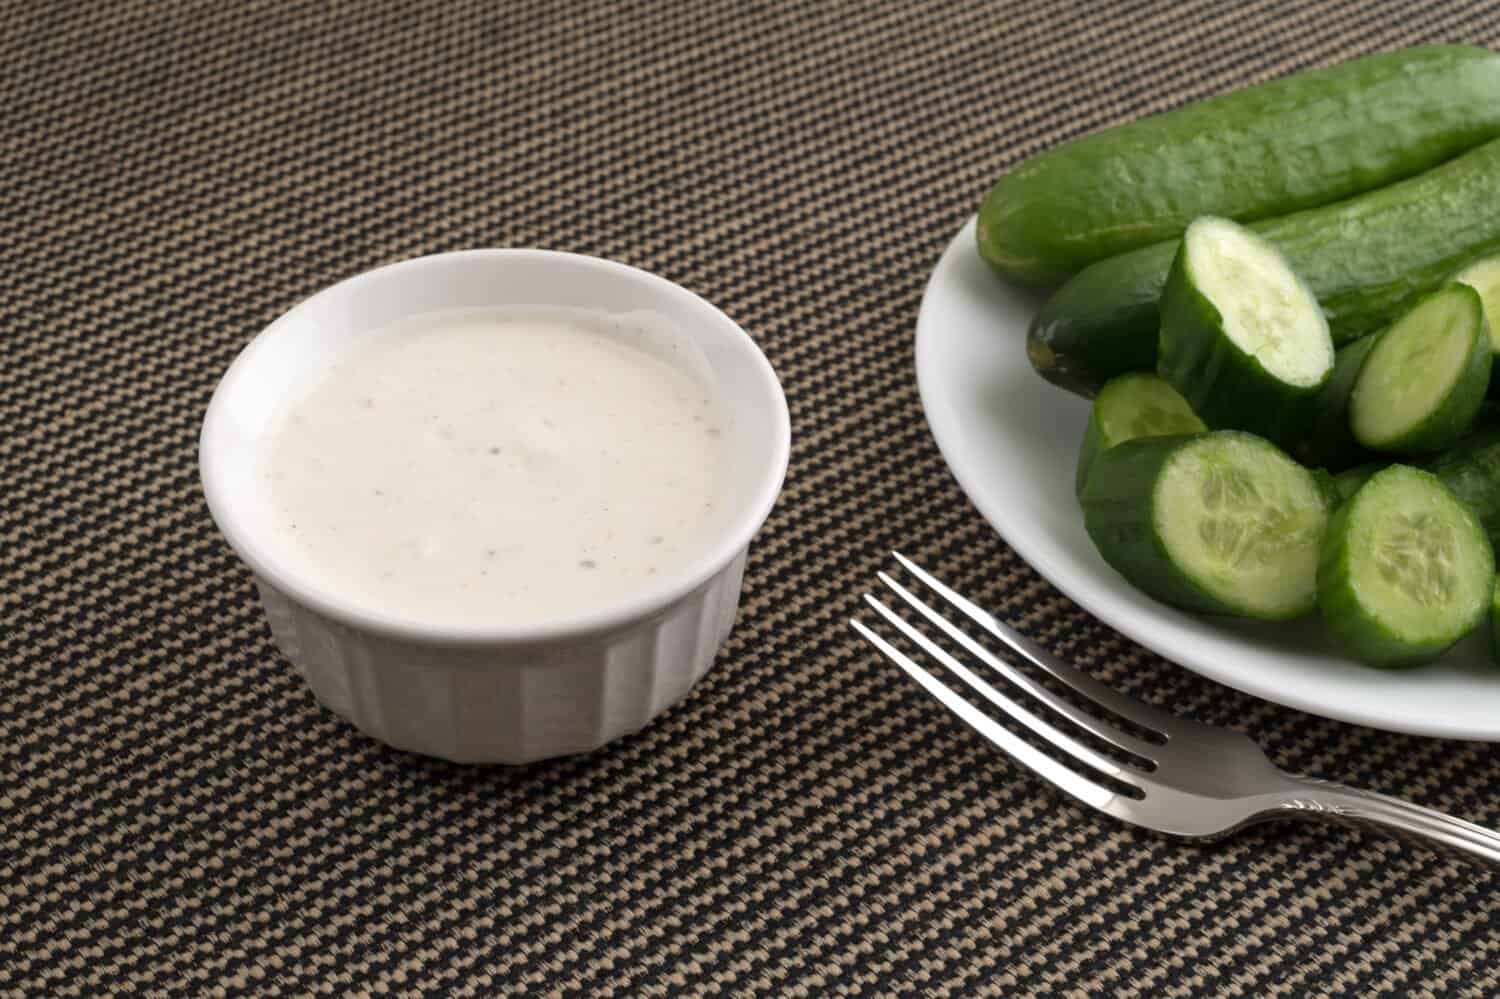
[[1088, 450], [1228, 388], [1471, 469], [1355, 629], [1366, 638], [1448, 424], [1488, 417], [1120, 516], [1347, 482], [1364, 258], [1495, 624], [1327, 441], [1303, 140], [1329, 486], [1103, 323]]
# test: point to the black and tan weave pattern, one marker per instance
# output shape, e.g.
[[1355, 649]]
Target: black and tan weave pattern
[[179, 818]]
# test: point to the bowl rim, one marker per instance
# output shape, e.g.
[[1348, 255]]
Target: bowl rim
[[649, 602]]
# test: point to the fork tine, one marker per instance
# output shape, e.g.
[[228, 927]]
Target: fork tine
[[1128, 708], [1109, 733], [1038, 762], [1061, 740]]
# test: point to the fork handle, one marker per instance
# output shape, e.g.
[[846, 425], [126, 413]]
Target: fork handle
[[1320, 799]]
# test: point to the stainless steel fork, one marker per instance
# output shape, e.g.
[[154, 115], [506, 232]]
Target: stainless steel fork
[[1172, 775]]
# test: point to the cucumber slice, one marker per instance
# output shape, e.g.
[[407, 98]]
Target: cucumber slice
[[1329, 443], [1242, 338], [1484, 277], [1405, 571], [1131, 406], [1222, 522], [1424, 381]]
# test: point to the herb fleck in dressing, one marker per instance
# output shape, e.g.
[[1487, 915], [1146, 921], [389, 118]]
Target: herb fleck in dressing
[[498, 468]]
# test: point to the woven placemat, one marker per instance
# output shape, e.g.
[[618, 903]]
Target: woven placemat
[[179, 817]]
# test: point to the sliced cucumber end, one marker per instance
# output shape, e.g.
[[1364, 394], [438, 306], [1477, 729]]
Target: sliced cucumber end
[[1143, 405], [1484, 277], [1406, 570], [1244, 523], [1267, 311], [1425, 378], [1129, 407]]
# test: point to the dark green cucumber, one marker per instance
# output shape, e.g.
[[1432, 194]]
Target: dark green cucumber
[[1495, 624], [1329, 485], [1242, 338], [1471, 469], [1222, 522], [1364, 258], [1424, 380], [1348, 482], [1484, 277], [1327, 442], [1131, 406], [1405, 570], [1304, 140], [1489, 413]]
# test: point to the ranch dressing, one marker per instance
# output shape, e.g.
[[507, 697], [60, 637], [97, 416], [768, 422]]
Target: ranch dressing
[[499, 468]]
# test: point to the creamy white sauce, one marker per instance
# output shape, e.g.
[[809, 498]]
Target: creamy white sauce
[[499, 468]]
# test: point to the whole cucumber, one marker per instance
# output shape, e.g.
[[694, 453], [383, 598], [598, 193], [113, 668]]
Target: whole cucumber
[[1304, 140], [1364, 258]]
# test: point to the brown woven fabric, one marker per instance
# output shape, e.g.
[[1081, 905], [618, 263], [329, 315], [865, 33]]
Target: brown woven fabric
[[179, 817]]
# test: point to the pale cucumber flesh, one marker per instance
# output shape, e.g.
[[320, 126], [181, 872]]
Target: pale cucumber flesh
[[1484, 277], [1416, 558], [1142, 405], [1267, 312], [1130, 407], [1244, 522], [1412, 370]]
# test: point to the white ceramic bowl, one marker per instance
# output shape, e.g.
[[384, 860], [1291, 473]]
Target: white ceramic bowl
[[494, 694]]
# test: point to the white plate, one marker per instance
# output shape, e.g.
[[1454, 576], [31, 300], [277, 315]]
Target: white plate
[[1011, 438]]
